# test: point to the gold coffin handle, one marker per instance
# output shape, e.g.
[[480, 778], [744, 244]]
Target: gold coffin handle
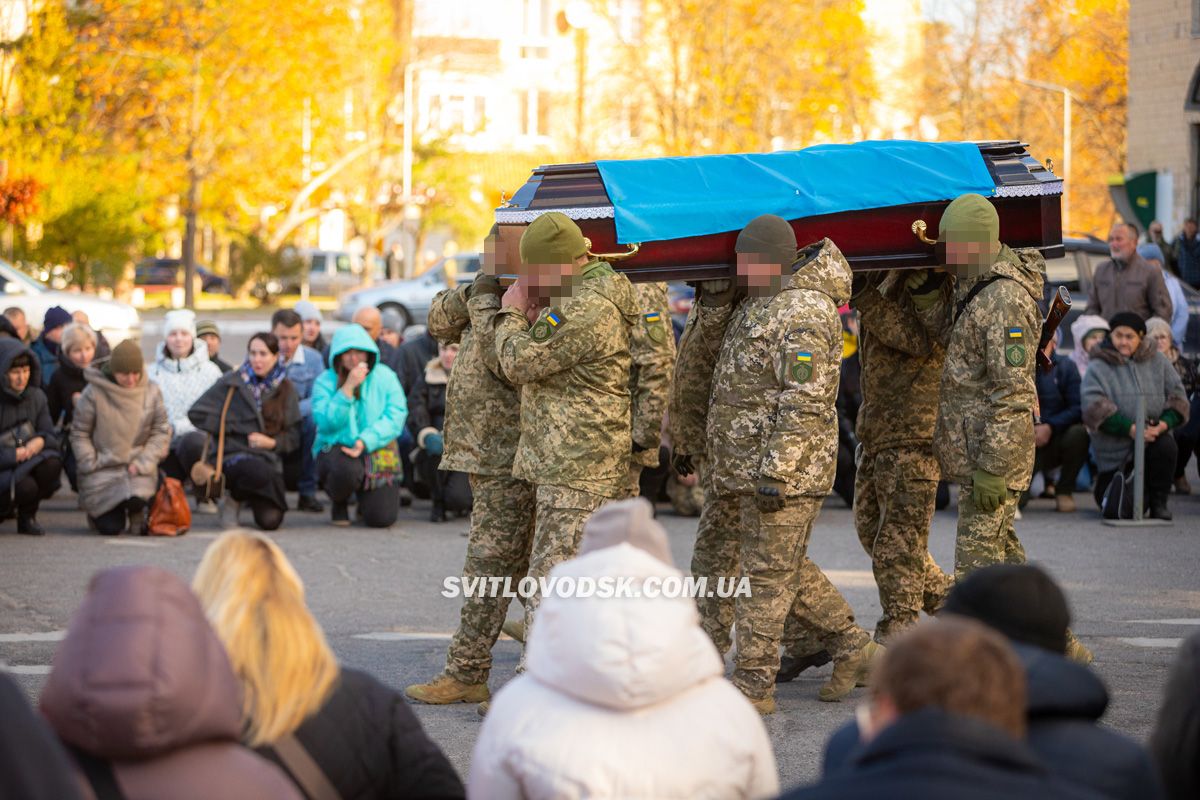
[[919, 227], [633, 251]]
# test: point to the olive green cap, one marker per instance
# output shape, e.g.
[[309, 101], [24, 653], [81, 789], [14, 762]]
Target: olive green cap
[[970, 218], [769, 236], [552, 238]]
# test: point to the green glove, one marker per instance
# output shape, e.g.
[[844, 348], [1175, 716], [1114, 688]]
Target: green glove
[[924, 286], [484, 284], [714, 294], [769, 496], [988, 490]]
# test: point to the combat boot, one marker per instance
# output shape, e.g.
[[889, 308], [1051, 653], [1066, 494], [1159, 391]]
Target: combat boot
[[791, 666], [1064, 504], [1158, 506], [514, 629], [1077, 652], [483, 707], [854, 670], [444, 689], [763, 705]]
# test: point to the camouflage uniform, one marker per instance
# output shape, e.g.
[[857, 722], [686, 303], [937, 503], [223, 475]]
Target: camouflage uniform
[[652, 350], [896, 485], [988, 395], [772, 417], [481, 430], [573, 365]]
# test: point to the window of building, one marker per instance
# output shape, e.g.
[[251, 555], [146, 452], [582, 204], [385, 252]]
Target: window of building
[[534, 108], [1192, 103], [537, 18]]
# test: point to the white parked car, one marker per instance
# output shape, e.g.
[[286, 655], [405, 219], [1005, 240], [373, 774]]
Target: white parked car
[[117, 321], [412, 297]]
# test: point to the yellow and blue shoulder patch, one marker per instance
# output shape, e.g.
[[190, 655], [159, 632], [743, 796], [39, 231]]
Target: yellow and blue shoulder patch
[[545, 327], [654, 328], [1016, 333], [1014, 346], [802, 370]]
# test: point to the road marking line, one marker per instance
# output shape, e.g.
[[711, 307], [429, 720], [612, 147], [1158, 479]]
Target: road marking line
[[1151, 643], [46, 636], [133, 543], [23, 669], [1178, 621], [393, 636]]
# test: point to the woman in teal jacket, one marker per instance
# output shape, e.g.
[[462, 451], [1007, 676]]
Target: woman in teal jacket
[[360, 409]]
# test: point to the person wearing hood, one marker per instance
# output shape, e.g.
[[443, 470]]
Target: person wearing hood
[[183, 372], [48, 344], [1064, 700], [358, 734], [310, 321], [119, 435], [30, 461], [158, 715], [1152, 254], [572, 364], [360, 411], [262, 427], [1126, 282], [772, 449], [1087, 331], [945, 721], [77, 351], [635, 678], [1123, 367]]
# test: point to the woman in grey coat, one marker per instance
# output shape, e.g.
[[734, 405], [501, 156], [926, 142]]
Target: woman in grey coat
[[119, 435], [1121, 368]]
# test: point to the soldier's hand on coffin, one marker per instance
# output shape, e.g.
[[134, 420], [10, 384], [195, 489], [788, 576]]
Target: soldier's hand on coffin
[[717, 293], [484, 284], [515, 296], [682, 464], [988, 490], [769, 497]]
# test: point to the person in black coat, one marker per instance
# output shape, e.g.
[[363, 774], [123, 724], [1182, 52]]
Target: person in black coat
[[450, 491], [263, 424], [33, 765], [30, 462], [1058, 431], [1175, 742], [1064, 700]]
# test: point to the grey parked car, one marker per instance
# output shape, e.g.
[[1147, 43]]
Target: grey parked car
[[411, 297]]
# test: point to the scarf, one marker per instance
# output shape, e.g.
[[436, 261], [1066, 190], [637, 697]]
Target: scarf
[[260, 387]]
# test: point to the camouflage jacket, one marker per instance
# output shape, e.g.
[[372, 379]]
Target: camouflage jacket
[[776, 380], [691, 388], [901, 353], [988, 393], [483, 410], [652, 349], [573, 366]]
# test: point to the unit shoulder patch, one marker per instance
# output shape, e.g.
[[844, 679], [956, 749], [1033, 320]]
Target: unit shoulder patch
[[547, 325]]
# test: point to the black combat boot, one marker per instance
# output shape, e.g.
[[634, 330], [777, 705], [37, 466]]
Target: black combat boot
[[340, 515], [790, 667]]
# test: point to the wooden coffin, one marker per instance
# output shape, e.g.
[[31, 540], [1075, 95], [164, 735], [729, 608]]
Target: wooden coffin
[[1027, 196]]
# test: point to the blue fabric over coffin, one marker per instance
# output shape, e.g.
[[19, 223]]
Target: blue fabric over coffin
[[656, 199]]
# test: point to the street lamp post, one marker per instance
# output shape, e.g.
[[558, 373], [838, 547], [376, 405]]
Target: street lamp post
[[1066, 161]]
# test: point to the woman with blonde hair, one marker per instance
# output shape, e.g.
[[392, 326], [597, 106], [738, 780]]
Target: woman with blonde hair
[[361, 735]]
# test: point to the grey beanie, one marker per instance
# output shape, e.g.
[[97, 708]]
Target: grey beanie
[[624, 521], [308, 311]]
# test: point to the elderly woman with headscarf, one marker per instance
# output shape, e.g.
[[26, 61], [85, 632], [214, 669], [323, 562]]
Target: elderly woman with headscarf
[[1124, 367]]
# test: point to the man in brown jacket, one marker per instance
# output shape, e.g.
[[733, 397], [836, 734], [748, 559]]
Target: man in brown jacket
[[1126, 282]]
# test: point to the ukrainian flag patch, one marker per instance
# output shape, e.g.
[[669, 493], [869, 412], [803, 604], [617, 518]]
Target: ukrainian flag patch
[[653, 316], [654, 329], [802, 356], [545, 327], [553, 319], [802, 369], [1015, 333]]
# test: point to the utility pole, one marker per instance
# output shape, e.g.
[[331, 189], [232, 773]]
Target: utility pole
[[193, 192]]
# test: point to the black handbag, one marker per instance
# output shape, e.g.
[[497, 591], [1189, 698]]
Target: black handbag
[[1118, 497], [18, 436]]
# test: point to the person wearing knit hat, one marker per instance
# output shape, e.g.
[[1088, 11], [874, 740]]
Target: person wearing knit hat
[[48, 344], [310, 328], [1019, 600], [766, 250], [1152, 254], [1087, 331], [127, 359], [208, 332]]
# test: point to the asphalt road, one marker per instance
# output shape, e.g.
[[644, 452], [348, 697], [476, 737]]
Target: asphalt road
[[1135, 594]]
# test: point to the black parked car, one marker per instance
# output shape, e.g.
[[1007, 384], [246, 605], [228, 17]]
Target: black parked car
[[168, 272]]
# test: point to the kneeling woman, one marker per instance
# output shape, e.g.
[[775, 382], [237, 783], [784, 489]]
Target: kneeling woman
[[359, 408], [119, 435], [30, 466], [261, 425]]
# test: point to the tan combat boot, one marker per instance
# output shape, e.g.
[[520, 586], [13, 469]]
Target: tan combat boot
[[1077, 652], [1064, 504], [851, 671], [763, 705], [514, 629], [443, 689]]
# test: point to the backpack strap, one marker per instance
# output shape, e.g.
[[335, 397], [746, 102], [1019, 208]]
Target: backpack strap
[[304, 769], [975, 290], [99, 774]]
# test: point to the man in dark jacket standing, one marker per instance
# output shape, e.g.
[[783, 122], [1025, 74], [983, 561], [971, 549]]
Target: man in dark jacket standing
[[1058, 431], [1187, 254], [1127, 283]]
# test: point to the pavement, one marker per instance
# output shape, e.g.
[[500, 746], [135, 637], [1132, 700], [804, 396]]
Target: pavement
[[1134, 594]]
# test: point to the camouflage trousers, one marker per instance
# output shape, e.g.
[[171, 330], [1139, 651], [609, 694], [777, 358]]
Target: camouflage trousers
[[789, 594], [499, 545], [558, 526], [984, 537], [894, 495], [717, 554], [634, 487]]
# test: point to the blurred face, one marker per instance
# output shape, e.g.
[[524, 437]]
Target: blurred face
[[502, 252], [1189, 227], [969, 259], [447, 354], [179, 343], [352, 358], [1156, 229], [82, 355], [1121, 243], [1126, 340], [262, 360], [371, 321], [1163, 340], [82, 318], [54, 335], [391, 337], [129, 380], [1092, 339], [213, 343], [20, 323], [549, 282], [311, 329], [758, 274], [289, 340], [18, 378]]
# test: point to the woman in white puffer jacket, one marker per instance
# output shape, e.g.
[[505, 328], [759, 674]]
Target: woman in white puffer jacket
[[621, 698], [183, 372]]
